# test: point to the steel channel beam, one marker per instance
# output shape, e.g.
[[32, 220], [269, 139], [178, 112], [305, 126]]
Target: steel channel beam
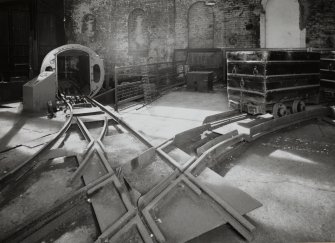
[[34, 224], [4, 180], [121, 122]]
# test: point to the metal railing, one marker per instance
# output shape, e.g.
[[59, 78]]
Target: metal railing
[[146, 81]]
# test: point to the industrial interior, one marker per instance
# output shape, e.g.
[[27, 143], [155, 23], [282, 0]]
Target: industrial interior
[[167, 121]]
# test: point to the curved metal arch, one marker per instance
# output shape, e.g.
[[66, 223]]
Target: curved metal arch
[[50, 62]]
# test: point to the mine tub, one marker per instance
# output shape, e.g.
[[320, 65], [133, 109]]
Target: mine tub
[[327, 71], [278, 82]]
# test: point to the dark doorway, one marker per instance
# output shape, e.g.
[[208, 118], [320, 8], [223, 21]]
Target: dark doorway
[[73, 72], [14, 41], [29, 30]]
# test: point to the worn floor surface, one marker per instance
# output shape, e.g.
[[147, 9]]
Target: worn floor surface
[[291, 172], [22, 134]]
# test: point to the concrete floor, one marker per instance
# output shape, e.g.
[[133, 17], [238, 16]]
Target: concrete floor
[[291, 172], [174, 113], [22, 134]]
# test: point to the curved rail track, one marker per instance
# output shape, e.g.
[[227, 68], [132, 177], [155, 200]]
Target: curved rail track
[[99, 177]]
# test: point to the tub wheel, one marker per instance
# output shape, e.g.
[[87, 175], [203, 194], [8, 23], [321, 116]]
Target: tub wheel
[[298, 106], [279, 110]]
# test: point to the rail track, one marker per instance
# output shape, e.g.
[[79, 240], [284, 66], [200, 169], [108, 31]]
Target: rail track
[[99, 180]]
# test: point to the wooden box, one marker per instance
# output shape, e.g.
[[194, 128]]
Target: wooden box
[[200, 81], [207, 59]]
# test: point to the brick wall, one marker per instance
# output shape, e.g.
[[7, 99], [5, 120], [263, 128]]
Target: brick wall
[[89, 23], [236, 23], [110, 30], [103, 26], [160, 22], [319, 20]]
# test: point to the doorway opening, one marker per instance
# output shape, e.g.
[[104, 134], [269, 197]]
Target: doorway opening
[[73, 72], [282, 24], [200, 26]]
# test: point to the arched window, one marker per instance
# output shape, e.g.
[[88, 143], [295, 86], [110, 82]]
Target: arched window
[[200, 26], [138, 36], [282, 24]]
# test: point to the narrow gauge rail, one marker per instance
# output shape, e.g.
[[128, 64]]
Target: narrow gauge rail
[[113, 185]]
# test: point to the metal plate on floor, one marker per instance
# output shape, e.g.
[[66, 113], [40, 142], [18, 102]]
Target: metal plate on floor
[[242, 202], [133, 231], [111, 205], [181, 212]]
